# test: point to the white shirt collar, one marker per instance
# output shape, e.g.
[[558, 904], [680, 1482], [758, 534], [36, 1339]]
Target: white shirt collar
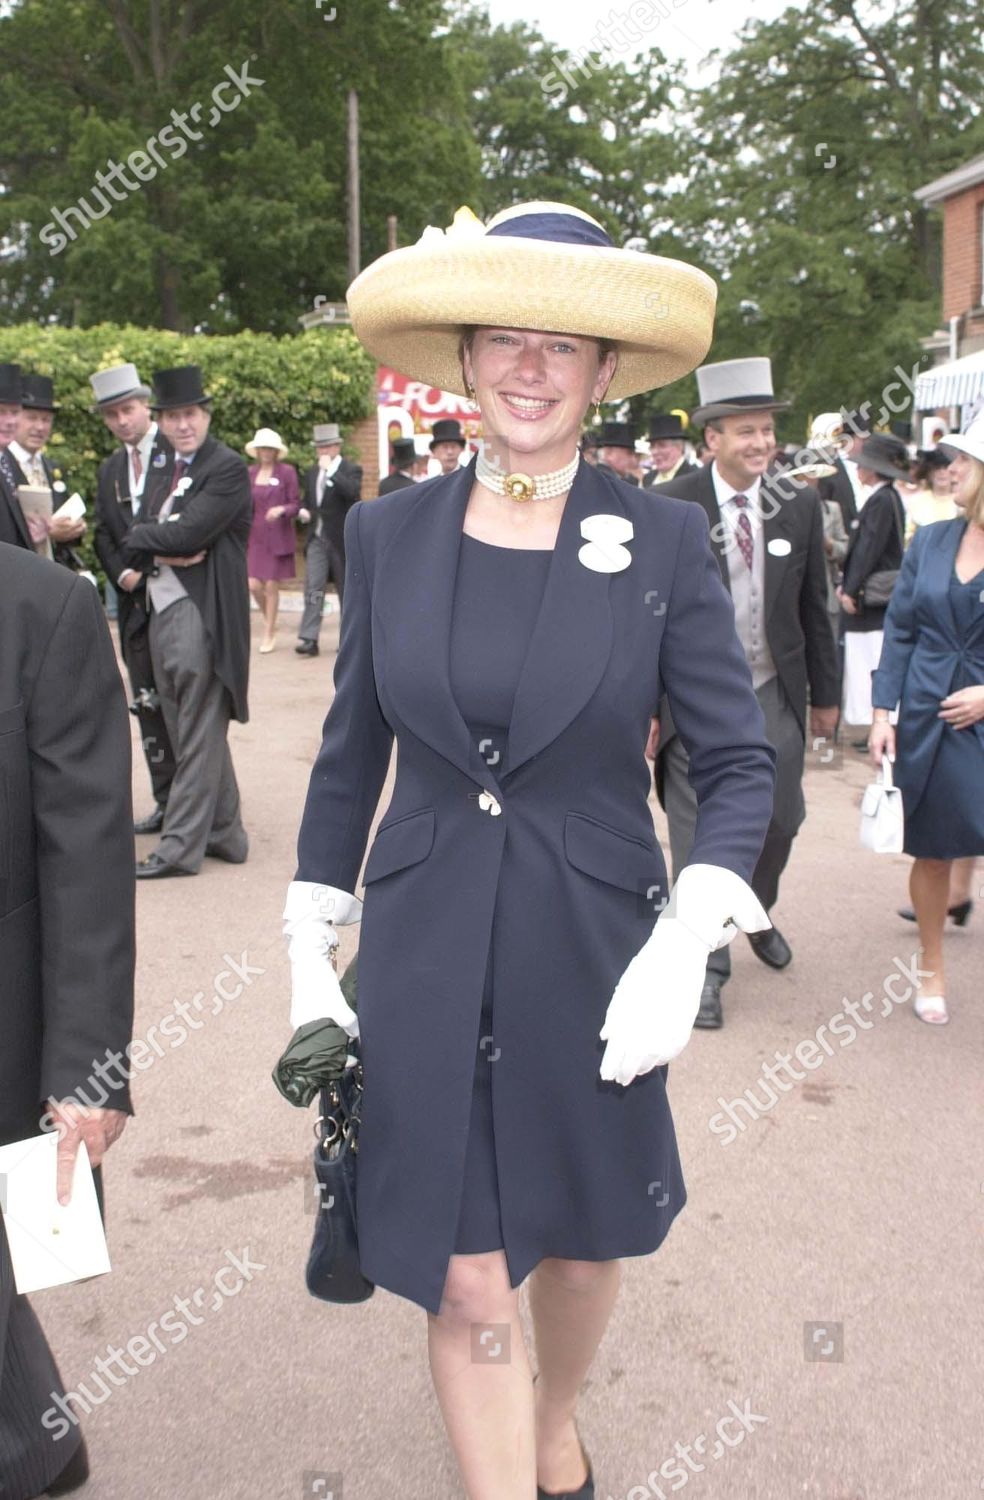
[[724, 491], [21, 454], [145, 444]]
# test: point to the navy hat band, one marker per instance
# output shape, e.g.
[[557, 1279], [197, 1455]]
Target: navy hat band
[[562, 229]]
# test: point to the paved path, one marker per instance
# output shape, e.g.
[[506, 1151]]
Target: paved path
[[855, 1204]]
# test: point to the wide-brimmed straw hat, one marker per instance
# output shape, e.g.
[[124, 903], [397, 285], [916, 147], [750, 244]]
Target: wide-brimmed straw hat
[[970, 442], [265, 437], [543, 266]]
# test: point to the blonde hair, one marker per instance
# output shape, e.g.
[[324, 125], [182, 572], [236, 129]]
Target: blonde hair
[[973, 488]]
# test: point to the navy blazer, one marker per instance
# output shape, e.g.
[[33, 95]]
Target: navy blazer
[[922, 652], [559, 890]]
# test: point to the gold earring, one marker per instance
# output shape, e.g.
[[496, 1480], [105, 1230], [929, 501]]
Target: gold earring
[[597, 411]]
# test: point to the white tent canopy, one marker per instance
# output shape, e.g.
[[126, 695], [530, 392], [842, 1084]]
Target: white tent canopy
[[953, 384]]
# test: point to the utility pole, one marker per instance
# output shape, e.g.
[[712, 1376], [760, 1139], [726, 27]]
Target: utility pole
[[354, 243], [391, 231]]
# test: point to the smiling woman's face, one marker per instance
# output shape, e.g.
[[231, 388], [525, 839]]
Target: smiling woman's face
[[534, 388]]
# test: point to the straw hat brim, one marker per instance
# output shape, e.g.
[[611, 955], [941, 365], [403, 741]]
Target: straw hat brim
[[252, 447], [408, 308]]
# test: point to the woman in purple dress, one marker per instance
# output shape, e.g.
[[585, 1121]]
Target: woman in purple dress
[[276, 501]]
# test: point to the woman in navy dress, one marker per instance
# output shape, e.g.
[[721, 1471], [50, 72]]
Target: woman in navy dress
[[932, 667], [513, 625], [272, 543]]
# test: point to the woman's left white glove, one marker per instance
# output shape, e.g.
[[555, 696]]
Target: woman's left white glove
[[311, 913], [652, 1012]]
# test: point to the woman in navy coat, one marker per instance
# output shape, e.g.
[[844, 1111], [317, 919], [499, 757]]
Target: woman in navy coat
[[932, 667], [513, 626]]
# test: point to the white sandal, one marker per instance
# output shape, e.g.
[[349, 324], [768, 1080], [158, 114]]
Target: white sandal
[[932, 1008]]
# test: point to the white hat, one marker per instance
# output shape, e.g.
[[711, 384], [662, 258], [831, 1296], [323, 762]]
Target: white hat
[[265, 437], [970, 442]]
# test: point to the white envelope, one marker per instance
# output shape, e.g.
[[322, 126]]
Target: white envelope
[[50, 1243], [73, 508]]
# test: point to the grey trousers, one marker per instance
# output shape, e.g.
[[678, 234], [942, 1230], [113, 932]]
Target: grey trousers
[[783, 730], [203, 803], [30, 1454], [323, 562]]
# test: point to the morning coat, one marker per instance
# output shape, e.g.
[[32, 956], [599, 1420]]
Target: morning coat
[[564, 884], [214, 513], [922, 653], [113, 519], [66, 844]]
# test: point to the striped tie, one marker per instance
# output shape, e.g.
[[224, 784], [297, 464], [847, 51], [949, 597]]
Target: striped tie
[[743, 531]]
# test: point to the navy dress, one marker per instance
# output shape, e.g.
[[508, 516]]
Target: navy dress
[[497, 597], [948, 821]]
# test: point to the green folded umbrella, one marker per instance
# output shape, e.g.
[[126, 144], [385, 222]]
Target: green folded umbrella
[[316, 1053]]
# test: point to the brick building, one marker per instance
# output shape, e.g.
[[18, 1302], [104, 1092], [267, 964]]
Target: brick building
[[954, 386]]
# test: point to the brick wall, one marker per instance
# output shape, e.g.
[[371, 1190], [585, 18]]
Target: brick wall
[[364, 438], [962, 252]]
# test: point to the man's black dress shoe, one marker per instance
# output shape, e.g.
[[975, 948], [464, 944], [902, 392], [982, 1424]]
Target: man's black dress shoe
[[74, 1474], [307, 648], [771, 947], [153, 823], [709, 1014], [958, 914], [155, 868]]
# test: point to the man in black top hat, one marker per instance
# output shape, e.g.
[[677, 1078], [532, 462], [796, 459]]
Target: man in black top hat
[[447, 444], [33, 468], [192, 538], [13, 525], [122, 400], [616, 451], [331, 487], [667, 438], [404, 458]]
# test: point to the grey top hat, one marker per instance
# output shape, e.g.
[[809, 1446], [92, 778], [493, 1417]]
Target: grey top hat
[[116, 385], [327, 432], [735, 385]]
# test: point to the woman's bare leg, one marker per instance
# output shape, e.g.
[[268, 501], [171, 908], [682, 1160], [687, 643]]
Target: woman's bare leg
[[257, 588], [571, 1302], [482, 1379], [929, 887]]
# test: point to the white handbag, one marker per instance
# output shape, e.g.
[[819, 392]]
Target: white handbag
[[882, 819]]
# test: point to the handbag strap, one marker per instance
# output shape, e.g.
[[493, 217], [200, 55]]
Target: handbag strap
[[886, 773]]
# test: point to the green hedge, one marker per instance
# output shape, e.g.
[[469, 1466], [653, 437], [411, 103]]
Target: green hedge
[[257, 380]]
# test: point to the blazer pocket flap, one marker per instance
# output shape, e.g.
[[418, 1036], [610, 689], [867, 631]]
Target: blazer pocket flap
[[403, 842], [12, 719], [617, 858]]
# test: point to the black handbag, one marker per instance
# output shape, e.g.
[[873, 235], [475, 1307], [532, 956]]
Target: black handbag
[[333, 1272], [877, 587]]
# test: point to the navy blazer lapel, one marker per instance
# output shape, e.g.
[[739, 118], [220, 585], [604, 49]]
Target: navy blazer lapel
[[944, 565], [572, 638]]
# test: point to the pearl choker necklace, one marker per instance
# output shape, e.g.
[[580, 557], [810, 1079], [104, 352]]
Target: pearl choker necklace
[[525, 486]]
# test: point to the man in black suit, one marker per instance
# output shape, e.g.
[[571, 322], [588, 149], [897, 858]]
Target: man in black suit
[[33, 467], [66, 939], [768, 536], [331, 488], [616, 451], [193, 543], [666, 447], [122, 401], [404, 458], [13, 526]]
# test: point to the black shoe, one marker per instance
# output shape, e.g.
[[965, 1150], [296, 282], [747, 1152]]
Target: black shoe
[[307, 648], [153, 823], [771, 947], [709, 1015], [74, 1474], [586, 1492], [958, 913], [155, 868]]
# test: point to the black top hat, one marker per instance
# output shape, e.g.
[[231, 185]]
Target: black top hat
[[10, 385], [590, 438], [447, 431], [666, 425], [857, 420], [404, 452], [180, 386], [37, 393], [616, 435], [887, 456]]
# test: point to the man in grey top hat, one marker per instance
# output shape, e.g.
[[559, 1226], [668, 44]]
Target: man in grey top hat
[[123, 402], [767, 531], [331, 488]]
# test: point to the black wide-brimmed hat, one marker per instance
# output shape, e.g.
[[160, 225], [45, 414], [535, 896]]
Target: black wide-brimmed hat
[[447, 431], [616, 435], [179, 386], [37, 393], [933, 458], [886, 455], [404, 452], [10, 385], [666, 425]]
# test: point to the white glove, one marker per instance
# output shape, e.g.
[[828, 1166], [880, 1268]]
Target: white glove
[[652, 1012], [310, 914]]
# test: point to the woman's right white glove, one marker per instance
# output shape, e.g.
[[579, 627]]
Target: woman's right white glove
[[311, 912]]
